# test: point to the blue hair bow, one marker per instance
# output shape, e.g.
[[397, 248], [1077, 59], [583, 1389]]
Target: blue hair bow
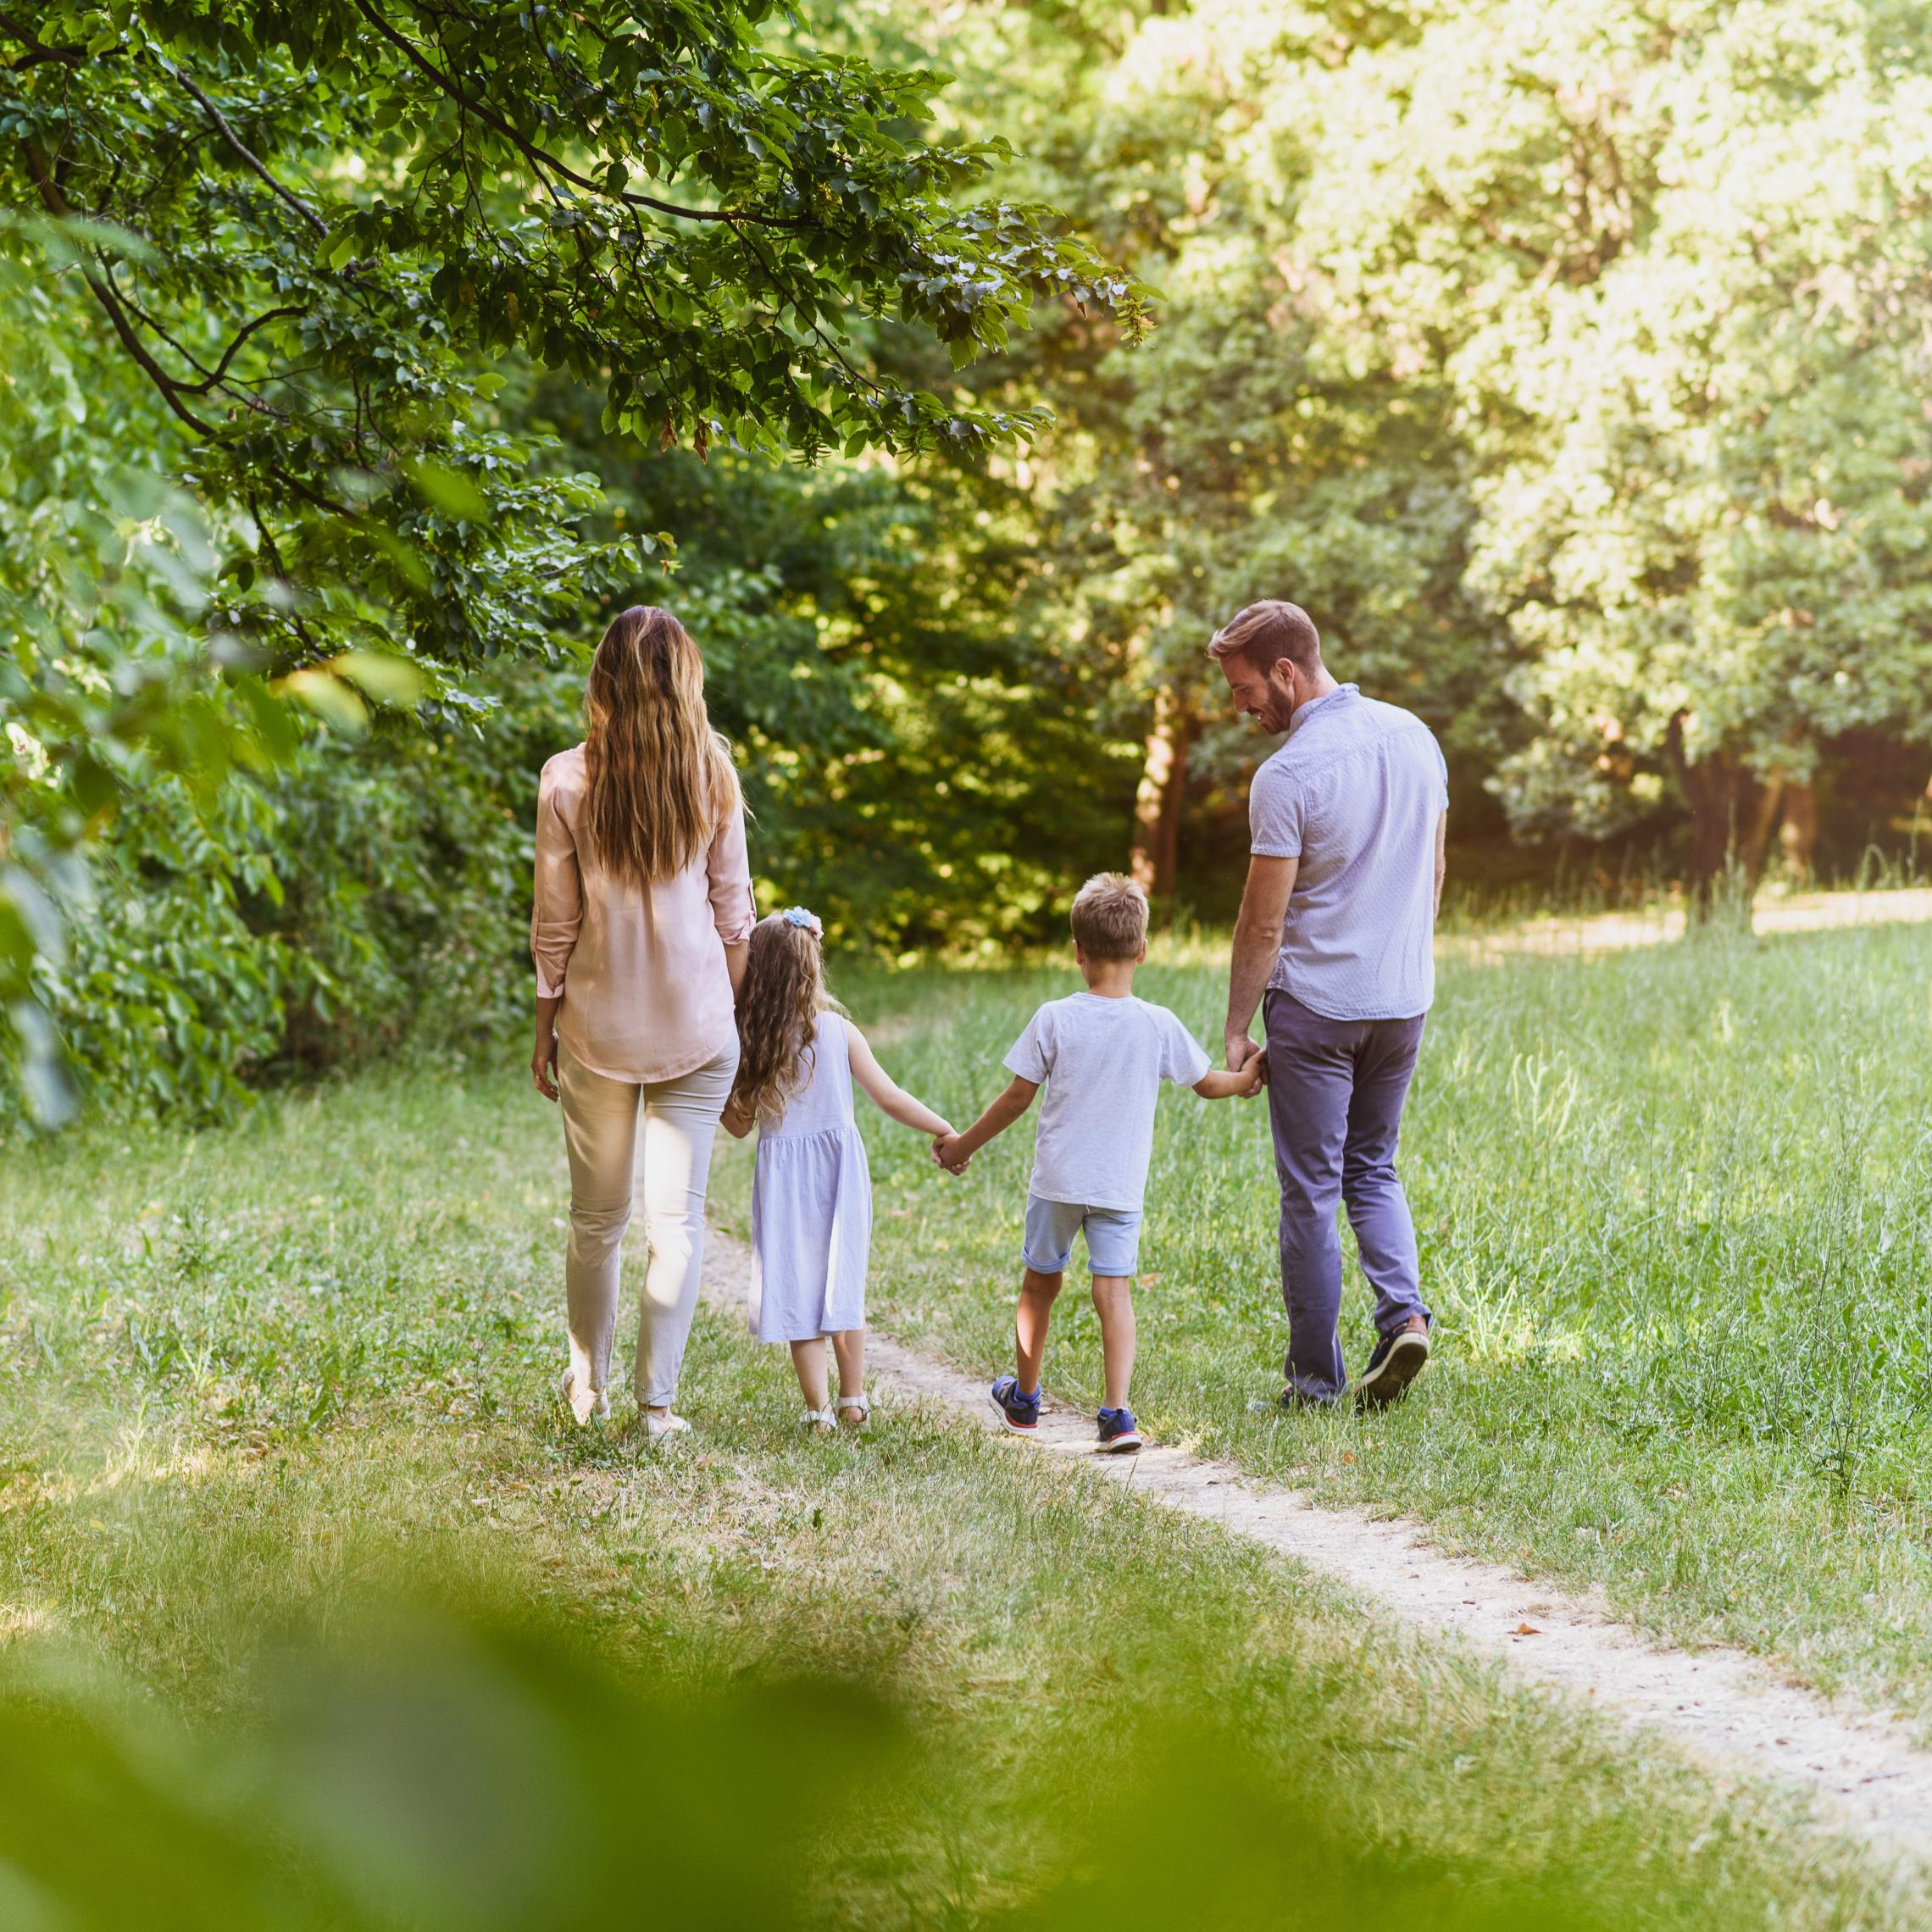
[[798, 916]]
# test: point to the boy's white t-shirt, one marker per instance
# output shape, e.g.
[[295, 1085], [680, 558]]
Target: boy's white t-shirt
[[1102, 1062]]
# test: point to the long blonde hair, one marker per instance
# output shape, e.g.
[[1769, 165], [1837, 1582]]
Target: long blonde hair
[[779, 1004], [660, 778]]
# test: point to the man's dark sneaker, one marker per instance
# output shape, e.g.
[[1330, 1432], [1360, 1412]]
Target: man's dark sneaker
[[1021, 1413], [1398, 1360], [1119, 1434]]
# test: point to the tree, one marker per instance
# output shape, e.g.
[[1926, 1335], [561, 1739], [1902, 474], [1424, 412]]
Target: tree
[[340, 208], [1678, 262], [305, 232], [1568, 362], [1273, 439]]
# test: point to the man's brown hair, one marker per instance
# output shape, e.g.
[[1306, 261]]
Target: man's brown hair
[[1267, 632], [1110, 917]]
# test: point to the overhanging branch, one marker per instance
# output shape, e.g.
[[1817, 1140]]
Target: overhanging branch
[[235, 141], [539, 156]]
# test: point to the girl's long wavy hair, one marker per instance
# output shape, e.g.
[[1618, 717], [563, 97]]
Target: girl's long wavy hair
[[660, 778], [779, 1004]]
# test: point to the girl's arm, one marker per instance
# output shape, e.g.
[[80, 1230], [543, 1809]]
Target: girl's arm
[[953, 1152], [736, 1121], [884, 1093]]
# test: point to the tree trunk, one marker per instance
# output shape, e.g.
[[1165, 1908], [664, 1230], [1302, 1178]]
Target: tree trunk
[[1156, 804], [1798, 836], [1765, 799], [1732, 813]]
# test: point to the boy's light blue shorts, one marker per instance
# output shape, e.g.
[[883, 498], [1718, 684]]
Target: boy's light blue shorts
[[1112, 1237]]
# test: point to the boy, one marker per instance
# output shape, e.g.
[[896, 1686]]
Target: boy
[[1102, 1055]]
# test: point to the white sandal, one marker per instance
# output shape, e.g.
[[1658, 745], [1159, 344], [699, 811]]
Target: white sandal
[[818, 1419], [861, 1404]]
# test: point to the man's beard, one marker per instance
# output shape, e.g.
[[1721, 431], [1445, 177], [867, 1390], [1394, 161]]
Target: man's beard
[[1277, 715]]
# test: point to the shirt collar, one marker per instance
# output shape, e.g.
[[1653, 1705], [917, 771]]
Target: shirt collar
[[1321, 703]]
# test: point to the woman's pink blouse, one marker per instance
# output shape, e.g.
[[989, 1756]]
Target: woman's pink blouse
[[645, 993]]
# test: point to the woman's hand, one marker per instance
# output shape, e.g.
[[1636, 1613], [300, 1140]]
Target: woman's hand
[[543, 1062]]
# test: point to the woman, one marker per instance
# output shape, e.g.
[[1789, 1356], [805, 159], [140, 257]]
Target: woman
[[643, 913]]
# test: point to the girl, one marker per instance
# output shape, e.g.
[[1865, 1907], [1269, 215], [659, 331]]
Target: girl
[[812, 1193]]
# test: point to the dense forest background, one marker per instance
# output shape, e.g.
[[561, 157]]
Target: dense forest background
[[1571, 365]]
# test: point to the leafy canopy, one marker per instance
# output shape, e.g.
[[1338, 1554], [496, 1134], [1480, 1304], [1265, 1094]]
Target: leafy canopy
[[337, 209], [258, 262]]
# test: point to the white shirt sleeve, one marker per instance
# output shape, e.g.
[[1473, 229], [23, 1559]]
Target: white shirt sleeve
[[1275, 814], [1183, 1059], [1031, 1055]]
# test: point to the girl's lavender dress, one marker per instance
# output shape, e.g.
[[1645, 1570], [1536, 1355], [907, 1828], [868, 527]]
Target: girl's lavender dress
[[812, 1204]]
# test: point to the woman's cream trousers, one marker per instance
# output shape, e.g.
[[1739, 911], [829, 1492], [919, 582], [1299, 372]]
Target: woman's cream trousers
[[600, 1130]]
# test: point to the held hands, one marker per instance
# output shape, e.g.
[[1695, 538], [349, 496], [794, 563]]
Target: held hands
[[945, 1152], [1244, 1055]]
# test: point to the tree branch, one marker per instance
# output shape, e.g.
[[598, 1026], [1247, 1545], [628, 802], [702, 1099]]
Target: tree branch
[[57, 204], [37, 50], [134, 346], [212, 378], [235, 141], [67, 56], [228, 354], [536, 155]]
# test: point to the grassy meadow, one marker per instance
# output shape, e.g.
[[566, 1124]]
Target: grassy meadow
[[1675, 1215], [254, 1382]]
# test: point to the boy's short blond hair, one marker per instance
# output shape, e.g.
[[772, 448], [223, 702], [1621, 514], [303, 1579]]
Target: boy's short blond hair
[[1110, 917]]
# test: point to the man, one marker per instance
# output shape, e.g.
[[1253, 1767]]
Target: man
[[1337, 928]]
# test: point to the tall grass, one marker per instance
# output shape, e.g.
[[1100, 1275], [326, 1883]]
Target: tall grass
[[1675, 1214], [480, 1771], [249, 1378]]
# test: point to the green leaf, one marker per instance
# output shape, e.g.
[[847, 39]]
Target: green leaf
[[388, 680], [449, 490], [327, 696]]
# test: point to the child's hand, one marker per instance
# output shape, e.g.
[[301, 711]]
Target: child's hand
[[1257, 1067], [945, 1152]]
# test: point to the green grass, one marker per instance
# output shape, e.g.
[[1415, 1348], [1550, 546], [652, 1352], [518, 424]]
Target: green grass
[[248, 1379], [1675, 1215]]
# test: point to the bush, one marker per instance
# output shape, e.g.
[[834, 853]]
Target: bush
[[365, 889]]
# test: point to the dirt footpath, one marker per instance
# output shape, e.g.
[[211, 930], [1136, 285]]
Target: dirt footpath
[[1586, 938], [1723, 1706]]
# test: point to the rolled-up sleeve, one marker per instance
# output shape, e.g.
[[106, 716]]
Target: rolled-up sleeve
[[733, 909], [558, 907]]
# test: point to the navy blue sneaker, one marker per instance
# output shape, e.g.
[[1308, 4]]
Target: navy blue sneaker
[[1398, 1360], [1119, 1434], [1021, 1413]]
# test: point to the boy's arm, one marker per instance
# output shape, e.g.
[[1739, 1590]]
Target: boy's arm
[[885, 1093], [1232, 1085], [953, 1151]]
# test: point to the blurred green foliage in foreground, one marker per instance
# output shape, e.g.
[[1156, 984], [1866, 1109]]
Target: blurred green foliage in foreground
[[440, 1769]]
